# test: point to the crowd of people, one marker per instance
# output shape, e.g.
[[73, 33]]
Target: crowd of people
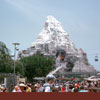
[[52, 85]]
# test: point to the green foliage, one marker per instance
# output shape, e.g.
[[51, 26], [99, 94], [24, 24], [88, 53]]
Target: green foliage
[[5, 59], [20, 69], [36, 66]]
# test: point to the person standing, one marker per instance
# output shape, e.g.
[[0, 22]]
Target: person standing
[[63, 88], [39, 88], [17, 89], [28, 88], [48, 86]]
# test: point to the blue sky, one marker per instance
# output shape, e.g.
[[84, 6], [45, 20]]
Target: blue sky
[[22, 20]]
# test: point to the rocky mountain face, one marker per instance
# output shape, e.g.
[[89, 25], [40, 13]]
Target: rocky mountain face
[[54, 41]]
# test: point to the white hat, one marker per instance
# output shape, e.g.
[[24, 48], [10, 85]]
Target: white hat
[[50, 76], [1, 87], [36, 85], [22, 85]]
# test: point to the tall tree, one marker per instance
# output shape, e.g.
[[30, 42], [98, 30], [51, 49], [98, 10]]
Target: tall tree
[[6, 62]]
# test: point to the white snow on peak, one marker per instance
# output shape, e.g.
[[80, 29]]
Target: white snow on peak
[[52, 24], [54, 33], [51, 19]]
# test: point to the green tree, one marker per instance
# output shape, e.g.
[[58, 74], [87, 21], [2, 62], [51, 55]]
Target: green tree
[[20, 69], [6, 63], [36, 66]]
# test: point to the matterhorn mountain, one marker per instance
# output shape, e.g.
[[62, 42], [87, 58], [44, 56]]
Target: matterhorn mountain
[[54, 41], [53, 36]]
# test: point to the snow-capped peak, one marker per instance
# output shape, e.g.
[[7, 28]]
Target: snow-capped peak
[[51, 24], [54, 35], [51, 19]]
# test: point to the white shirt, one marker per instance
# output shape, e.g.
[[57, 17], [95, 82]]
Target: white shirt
[[47, 89]]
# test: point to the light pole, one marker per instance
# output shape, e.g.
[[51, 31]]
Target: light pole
[[15, 44]]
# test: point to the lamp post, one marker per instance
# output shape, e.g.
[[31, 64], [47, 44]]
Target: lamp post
[[15, 48]]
